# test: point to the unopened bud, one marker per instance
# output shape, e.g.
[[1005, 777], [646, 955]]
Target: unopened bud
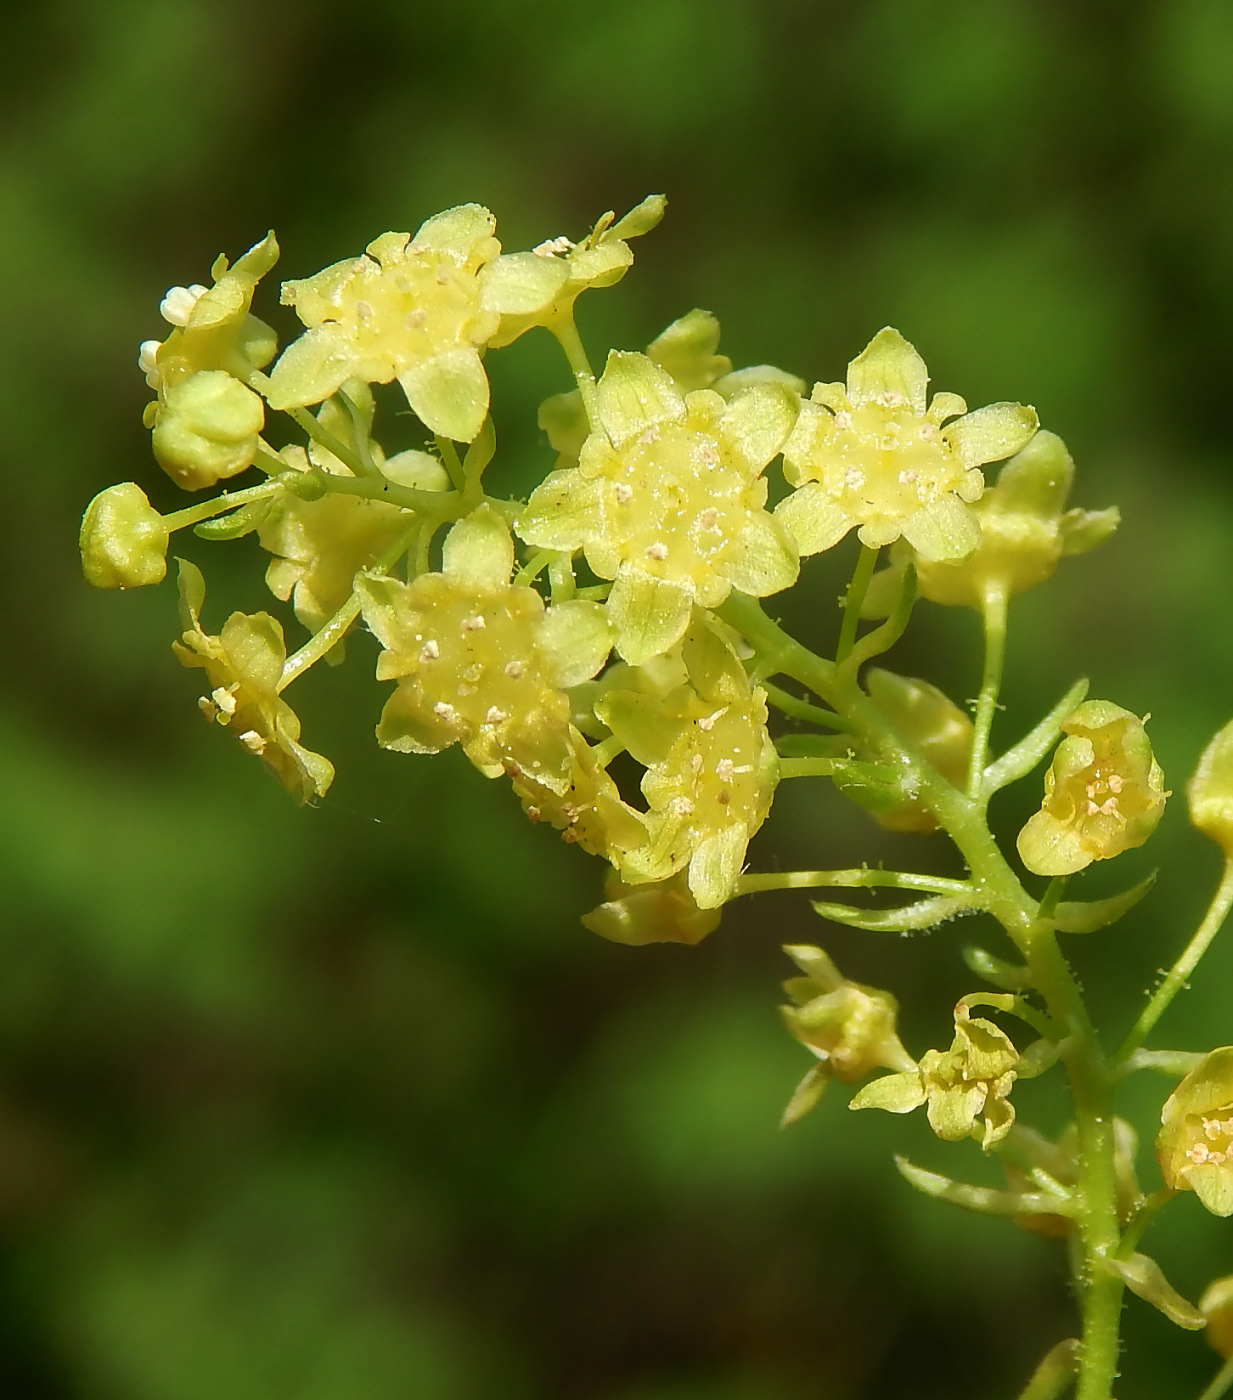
[[206, 429], [1210, 791], [123, 539], [1216, 1305]]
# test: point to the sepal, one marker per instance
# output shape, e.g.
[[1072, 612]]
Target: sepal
[[983, 1199], [1145, 1278]]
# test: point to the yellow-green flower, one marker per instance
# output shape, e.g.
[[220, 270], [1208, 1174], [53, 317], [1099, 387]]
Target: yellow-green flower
[[1104, 793], [1216, 1305], [872, 454], [480, 661], [1025, 530], [123, 539], [1195, 1144], [1210, 791], [688, 350], [970, 1081], [214, 329], [668, 500], [849, 1027], [711, 768], [417, 309], [243, 667]]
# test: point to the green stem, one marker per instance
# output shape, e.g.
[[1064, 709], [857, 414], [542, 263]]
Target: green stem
[[802, 709], [851, 880], [363, 441], [1000, 892], [566, 332], [1221, 1383], [883, 638], [853, 599], [453, 464], [207, 510], [1178, 974], [332, 632], [994, 614]]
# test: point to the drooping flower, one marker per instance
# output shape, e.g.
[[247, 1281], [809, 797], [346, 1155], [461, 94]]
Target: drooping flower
[[970, 1081], [711, 767], [123, 539], [1195, 1143], [1104, 793], [875, 456], [1025, 530], [668, 501], [417, 309], [480, 661], [849, 1027], [663, 911], [243, 667]]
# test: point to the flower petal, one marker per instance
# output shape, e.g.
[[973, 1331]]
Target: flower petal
[[478, 551], [518, 284], [888, 365], [576, 639], [456, 231], [988, 434], [634, 394], [947, 529], [757, 422], [895, 1093], [716, 864], [449, 393], [1050, 847], [813, 519], [310, 369], [563, 512], [765, 558], [648, 614]]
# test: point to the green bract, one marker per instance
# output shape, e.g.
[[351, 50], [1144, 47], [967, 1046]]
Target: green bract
[[1104, 793], [667, 501], [875, 456]]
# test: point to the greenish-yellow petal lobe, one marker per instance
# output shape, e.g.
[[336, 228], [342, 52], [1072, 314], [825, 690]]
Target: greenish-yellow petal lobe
[[947, 529], [813, 519], [635, 396], [478, 551], [888, 370], [449, 393], [648, 614], [991, 433]]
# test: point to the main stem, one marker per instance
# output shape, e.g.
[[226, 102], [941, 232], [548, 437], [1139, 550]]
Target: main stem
[[963, 818]]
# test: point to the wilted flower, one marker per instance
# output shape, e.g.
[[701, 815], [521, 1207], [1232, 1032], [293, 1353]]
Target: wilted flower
[[872, 455], [123, 539], [214, 329], [971, 1080], [711, 767], [668, 501], [1104, 793], [243, 667], [849, 1027], [479, 661], [1210, 791], [417, 309], [1025, 530], [663, 911], [1195, 1144]]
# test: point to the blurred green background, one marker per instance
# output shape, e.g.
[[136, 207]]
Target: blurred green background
[[343, 1104]]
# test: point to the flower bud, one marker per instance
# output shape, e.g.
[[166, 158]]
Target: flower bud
[[1216, 1305], [1210, 791], [123, 539], [1195, 1144], [206, 429], [1104, 793], [850, 1028]]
